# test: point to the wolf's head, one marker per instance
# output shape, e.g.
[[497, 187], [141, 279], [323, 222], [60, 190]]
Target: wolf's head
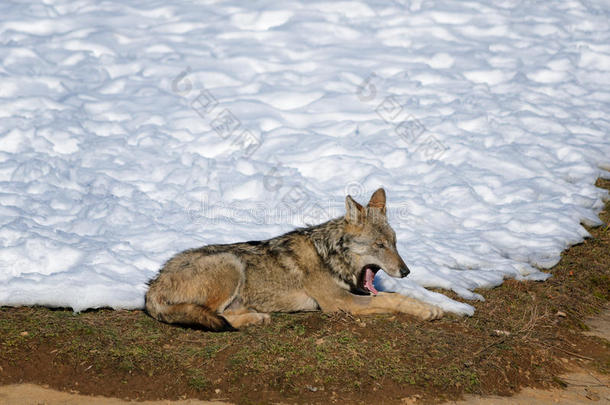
[[371, 243]]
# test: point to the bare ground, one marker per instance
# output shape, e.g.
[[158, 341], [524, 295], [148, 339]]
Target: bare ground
[[526, 334]]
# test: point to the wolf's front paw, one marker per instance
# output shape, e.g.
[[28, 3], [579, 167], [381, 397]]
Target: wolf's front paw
[[430, 312], [420, 309]]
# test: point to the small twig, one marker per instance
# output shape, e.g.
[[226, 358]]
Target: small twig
[[535, 319], [198, 342], [489, 346], [222, 348], [597, 379], [583, 385], [347, 314], [572, 353]]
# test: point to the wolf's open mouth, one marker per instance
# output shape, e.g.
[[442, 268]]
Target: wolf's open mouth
[[367, 275]]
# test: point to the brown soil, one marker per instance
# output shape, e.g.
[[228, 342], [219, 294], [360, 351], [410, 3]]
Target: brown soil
[[30, 394], [581, 387], [524, 335]]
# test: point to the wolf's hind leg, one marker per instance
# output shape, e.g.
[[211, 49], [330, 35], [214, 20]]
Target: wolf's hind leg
[[193, 290], [195, 316]]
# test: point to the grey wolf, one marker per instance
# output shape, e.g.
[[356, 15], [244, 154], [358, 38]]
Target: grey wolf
[[328, 267]]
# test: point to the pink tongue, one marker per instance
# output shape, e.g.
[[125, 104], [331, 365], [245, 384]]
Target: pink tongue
[[369, 276]]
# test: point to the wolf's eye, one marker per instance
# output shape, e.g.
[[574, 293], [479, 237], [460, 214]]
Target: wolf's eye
[[380, 245]]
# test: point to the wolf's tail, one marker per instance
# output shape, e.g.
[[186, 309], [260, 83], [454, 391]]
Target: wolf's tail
[[189, 315]]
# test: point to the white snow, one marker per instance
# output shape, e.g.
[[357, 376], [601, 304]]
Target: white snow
[[131, 130]]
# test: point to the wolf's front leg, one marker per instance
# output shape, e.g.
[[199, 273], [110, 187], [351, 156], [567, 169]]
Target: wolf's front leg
[[331, 298], [395, 302], [383, 303]]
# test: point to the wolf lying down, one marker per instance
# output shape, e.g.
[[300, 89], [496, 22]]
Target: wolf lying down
[[328, 267]]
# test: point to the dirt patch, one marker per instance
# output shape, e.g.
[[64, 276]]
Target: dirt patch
[[28, 394], [526, 334], [581, 387], [599, 325]]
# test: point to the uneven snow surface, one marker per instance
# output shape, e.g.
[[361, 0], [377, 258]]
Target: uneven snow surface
[[131, 130]]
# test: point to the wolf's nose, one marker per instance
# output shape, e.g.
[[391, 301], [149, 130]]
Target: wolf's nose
[[404, 272]]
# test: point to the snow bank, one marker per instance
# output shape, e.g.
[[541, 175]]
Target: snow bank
[[132, 130]]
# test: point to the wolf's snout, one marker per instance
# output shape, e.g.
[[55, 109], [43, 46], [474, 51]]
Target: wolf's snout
[[404, 272]]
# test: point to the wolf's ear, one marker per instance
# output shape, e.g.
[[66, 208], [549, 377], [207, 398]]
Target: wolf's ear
[[377, 202], [354, 212]]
